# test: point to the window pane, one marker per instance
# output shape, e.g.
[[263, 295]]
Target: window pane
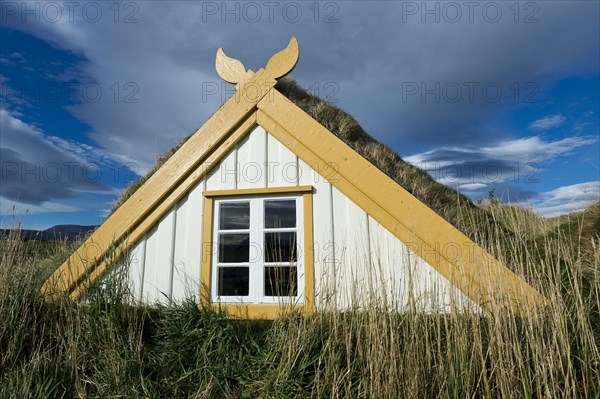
[[233, 281], [234, 248], [281, 281], [234, 215], [280, 247], [280, 213]]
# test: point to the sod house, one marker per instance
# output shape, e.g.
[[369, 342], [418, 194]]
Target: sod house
[[265, 209]]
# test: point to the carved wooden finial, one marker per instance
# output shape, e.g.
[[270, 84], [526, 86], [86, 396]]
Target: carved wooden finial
[[284, 61], [280, 64]]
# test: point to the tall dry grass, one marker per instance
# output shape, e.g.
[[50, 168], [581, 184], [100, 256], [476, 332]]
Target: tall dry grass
[[108, 348]]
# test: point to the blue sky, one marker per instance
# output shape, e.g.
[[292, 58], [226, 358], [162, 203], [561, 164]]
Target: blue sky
[[501, 95]]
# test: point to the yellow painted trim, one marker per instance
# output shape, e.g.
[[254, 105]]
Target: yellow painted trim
[[261, 191], [207, 251], [475, 272], [257, 311], [309, 252], [260, 311]]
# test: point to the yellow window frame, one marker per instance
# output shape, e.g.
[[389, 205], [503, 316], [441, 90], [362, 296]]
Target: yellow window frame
[[259, 311]]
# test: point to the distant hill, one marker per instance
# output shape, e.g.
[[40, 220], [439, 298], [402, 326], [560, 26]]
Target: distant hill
[[61, 232]]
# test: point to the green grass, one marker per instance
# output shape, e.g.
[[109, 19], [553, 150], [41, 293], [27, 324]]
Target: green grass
[[106, 348]]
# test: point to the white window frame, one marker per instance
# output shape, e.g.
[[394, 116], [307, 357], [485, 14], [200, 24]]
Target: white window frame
[[257, 263]]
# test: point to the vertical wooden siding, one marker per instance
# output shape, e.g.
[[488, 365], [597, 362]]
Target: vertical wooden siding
[[356, 259]]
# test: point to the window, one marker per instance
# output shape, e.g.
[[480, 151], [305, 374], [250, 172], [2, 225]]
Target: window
[[257, 250], [258, 254]]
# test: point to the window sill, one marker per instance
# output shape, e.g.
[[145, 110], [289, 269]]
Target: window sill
[[260, 311]]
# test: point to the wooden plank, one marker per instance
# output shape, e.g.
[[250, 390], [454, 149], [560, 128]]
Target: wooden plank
[[309, 256], [253, 191], [352, 245], [324, 245], [224, 175], [282, 164], [388, 257], [474, 271], [259, 311], [195, 239], [251, 159], [213, 178], [163, 277], [207, 252], [188, 245], [150, 293], [136, 270], [184, 208]]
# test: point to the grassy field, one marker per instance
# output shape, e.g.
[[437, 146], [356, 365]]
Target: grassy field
[[107, 348]]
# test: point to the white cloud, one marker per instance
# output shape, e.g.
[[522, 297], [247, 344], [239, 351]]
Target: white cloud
[[17, 208], [39, 169], [475, 168], [547, 122], [535, 149], [472, 186], [566, 199]]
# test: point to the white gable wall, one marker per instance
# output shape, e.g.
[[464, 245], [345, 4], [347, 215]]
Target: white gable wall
[[356, 259]]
